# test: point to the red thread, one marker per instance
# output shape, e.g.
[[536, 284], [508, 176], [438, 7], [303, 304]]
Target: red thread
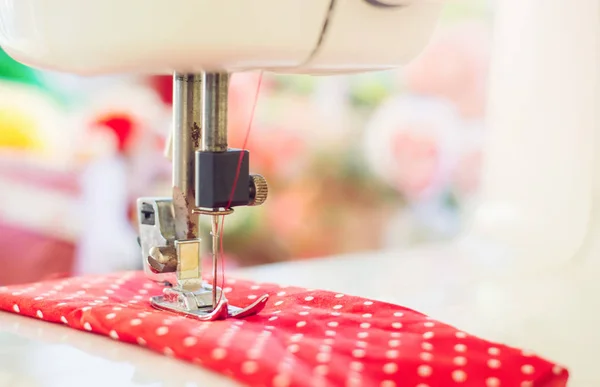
[[237, 175]]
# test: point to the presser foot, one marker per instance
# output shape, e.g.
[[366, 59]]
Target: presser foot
[[199, 304]]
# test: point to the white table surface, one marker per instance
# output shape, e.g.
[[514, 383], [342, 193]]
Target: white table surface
[[554, 313]]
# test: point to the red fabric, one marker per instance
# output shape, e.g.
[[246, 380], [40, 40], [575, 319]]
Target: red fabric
[[302, 338]]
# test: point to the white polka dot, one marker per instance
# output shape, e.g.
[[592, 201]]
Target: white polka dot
[[494, 351], [368, 303], [117, 308], [252, 296], [460, 348], [281, 380], [460, 335], [109, 291], [333, 324], [493, 363], [330, 333], [492, 382], [114, 286], [527, 383], [273, 318], [135, 322], [323, 357], [460, 361], [142, 291], [232, 281], [390, 368], [300, 324], [16, 293], [337, 307], [296, 337], [429, 324], [278, 303], [309, 298], [362, 335], [426, 356], [219, 353], [114, 335], [321, 369], [388, 383], [281, 294], [16, 308], [168, 352], [339, 295], [357, 366], [422, 385], [398, 314], [87, 326], [39, 298], [459, 376], [361, 344], [110, 316], [86, 308], [365, 325], [80, 292], [61, 304], [424, 371], [428, 335], [104, 298], [275, 312], [336, 314], [395, 334], [304, 313], [138, 297], [367, 315], [161, 331], [64, 319], [353, 380], [293, 348], [190, 341], [86, 286], [39, 314], [329, 341], [249, 367], [359, 353], [394, 343], [427, 346], [527, 369], [397, 325], [254, 287], [391, 354]]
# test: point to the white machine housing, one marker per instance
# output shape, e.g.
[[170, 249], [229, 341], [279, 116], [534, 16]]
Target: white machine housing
[[297, 36]]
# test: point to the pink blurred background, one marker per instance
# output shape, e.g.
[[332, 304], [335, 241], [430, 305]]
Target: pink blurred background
[[355, 163]]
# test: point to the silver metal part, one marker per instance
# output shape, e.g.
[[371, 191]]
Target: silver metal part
[[187, 121], [171, 247], [157, 234], [214, 105]]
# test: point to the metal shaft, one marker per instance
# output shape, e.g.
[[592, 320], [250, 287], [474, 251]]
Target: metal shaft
[[214, 105], [186, 137], [187, 121]]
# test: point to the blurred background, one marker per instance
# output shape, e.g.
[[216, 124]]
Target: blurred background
[[355, 163]]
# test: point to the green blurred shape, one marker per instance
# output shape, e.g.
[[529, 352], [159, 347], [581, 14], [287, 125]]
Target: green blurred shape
[[15, 71]]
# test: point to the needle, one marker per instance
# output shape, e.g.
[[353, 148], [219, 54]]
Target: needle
[[215, 254]]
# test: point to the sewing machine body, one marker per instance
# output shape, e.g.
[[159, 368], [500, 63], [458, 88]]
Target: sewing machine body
[[525, 271]]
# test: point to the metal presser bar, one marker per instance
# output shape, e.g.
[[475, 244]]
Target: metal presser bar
[[209, 179]]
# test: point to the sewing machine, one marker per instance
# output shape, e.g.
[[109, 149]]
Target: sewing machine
[[523, 264]]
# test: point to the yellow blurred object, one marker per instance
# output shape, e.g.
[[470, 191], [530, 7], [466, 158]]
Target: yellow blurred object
[[18, 131]]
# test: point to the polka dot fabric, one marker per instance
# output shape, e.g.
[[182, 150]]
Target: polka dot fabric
[[302, 337]]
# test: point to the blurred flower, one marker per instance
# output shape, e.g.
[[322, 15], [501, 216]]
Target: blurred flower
[[454, 66], [410, 143]]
